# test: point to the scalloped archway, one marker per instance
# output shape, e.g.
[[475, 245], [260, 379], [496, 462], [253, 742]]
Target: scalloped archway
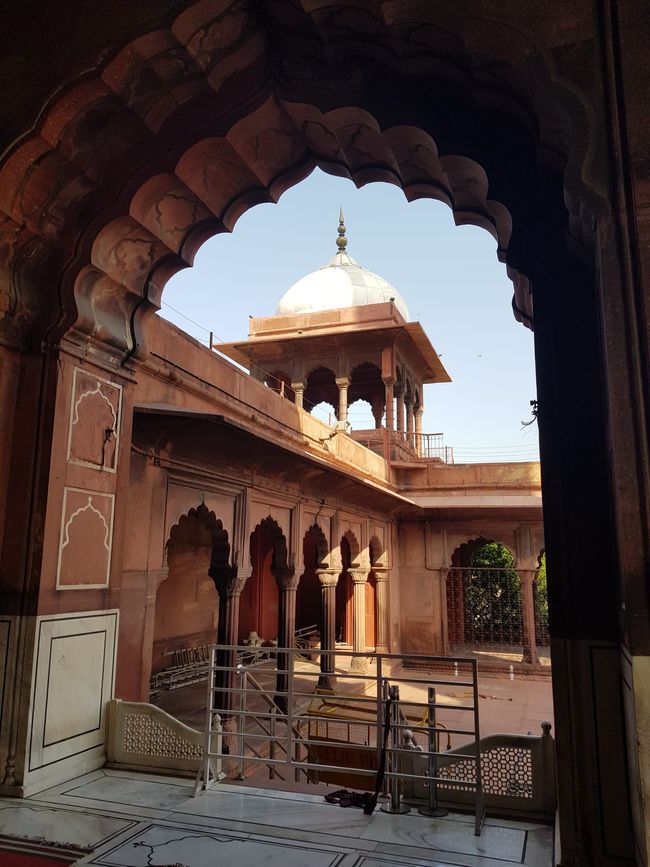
[[172, 136]]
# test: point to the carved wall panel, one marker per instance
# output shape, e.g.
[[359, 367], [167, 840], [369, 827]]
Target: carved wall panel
[[94, 430], [85, 543]]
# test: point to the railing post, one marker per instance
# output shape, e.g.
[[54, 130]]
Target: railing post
[[479, 815], [272, 744], [290, 677], [241, 724], [432, 809], [395, 803]]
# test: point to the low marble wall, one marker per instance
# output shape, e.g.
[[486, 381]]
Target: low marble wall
[[144, 737]]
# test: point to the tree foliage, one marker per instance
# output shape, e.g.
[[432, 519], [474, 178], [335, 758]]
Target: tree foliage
[[492, 598], [541, 603]]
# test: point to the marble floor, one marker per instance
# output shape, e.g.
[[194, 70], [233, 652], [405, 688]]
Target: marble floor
[[122, 819]]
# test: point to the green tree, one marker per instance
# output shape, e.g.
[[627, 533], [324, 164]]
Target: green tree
[[492, 597], [540, 599]]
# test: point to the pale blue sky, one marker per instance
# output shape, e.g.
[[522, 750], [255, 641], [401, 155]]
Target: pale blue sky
[[448, 275]]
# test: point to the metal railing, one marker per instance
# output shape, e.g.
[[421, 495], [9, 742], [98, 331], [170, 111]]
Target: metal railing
[[281, 719], [488, 612], [415, 447], [400, 446]]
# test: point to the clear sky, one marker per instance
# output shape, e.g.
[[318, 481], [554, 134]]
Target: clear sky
[[448, 275]]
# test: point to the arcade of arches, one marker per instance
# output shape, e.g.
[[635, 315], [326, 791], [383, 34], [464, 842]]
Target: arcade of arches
[[130, 134]]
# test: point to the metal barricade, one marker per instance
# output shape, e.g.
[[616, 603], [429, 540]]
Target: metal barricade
[[275, 717]]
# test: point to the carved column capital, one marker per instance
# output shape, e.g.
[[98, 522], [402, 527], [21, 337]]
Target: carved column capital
[[342, 381], [226, 580], [359, 576], [381, 572], [285, 577], [328, 577]]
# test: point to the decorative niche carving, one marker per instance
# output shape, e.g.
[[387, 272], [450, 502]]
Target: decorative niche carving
[[94, 421]]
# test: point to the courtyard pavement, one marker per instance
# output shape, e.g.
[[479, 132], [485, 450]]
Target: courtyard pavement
[[124, 819]]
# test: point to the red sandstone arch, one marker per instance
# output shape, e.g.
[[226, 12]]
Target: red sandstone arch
[[376, 551], [321, 387], [201, 151], [186, 601], [315, 551], [259, 603], [99, 200]]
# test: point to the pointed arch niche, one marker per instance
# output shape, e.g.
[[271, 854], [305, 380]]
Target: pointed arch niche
[[186, 602], [260, 600], [350, 550], [308, 599]]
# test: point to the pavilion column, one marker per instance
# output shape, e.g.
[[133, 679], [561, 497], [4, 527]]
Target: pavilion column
[[299, 391], [378, 410], [528, 616], [390, 408], [287, 582], [400, 415], [229, 587], [409, 423], [342, 416], [359, 578], [419, 445], [381, 574], [328, 580]]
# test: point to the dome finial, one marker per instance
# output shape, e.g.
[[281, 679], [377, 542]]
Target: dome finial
[[341, 241]]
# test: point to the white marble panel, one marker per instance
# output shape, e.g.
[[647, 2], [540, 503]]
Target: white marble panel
[[73, 681], [372, 861], [134, 793], [272, 812], [444, 835], [74, 659], [160, 845], [55, 826]]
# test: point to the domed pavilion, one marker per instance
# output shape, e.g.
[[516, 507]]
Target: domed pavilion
[[341, 334]]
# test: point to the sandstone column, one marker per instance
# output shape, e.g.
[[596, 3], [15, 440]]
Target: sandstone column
[[342, 416], [299, 391], [359, 578], [381, 574], [409, 422], [229, 587], [378, 410], [390, 408], [328, 580], [528, 616], [287, 582], [419, 445], [400, 414]]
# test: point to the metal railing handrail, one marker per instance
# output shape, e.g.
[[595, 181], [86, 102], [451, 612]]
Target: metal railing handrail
[[303, 735]]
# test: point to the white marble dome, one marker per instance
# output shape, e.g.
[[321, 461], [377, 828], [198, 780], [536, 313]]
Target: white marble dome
[[340, 283]]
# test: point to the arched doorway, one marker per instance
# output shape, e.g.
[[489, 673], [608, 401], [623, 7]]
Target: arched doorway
[[344, 588], [484, 599], [260, 600], [308, 594], [187, 605], [507, 92]]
